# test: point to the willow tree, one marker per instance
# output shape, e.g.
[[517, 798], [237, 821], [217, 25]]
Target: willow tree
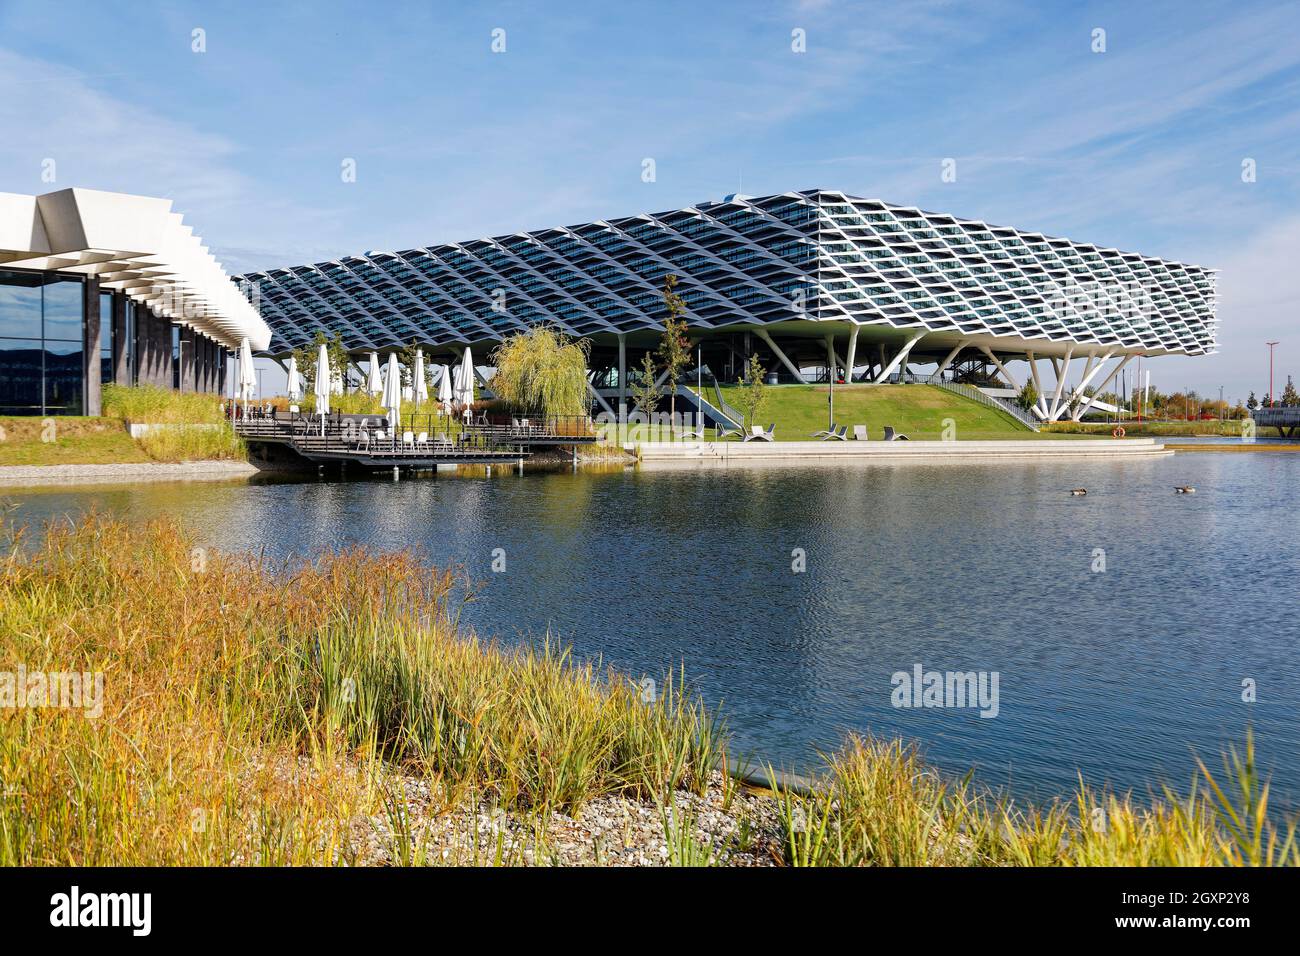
[[542, 372]]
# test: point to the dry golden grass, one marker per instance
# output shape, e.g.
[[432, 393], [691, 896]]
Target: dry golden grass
[[252, 712]]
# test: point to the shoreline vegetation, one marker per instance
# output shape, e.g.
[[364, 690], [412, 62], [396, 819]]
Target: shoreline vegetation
[[106, 440], [334, 711]]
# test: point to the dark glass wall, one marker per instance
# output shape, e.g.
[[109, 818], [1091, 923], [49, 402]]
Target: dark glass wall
[[107, 340], [41, 322]]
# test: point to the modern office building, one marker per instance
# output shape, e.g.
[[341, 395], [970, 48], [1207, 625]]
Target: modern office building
[[102, 287], [818, 282]]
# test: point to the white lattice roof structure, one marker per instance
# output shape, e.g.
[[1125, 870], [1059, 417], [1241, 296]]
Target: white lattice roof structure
[[819, 269]]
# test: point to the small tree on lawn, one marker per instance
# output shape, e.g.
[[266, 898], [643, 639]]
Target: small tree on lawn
[[406, 360], [674, 347], [308, 355], [1289, 397], [753, 395], [645, 392], [1027, 397]]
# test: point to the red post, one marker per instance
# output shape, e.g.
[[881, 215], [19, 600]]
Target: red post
[[1270, 373]]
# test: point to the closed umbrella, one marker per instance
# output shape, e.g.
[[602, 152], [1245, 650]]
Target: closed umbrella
[[247, 378], [373, 384], [421, 387], [445, 393], [465, 386], [295, 380], [322, 388], [393, 394]]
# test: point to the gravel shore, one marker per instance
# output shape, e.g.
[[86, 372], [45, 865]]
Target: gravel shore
[[736, 828]]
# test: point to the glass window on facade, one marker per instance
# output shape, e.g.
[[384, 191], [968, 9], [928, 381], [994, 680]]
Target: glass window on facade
[[107, 341], [41, 322]]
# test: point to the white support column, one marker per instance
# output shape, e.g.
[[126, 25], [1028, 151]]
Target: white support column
[[900, 358], [1062, 369], [1000, 367], [1090, 371], [938, 372], [1040, 406], [1087, 402], [622, 378], [776, 350], [853, 351]]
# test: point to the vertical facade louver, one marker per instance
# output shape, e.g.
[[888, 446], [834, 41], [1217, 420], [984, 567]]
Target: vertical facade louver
[[817, 270]]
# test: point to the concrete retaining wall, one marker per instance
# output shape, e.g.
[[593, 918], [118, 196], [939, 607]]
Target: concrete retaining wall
[[925, 451]]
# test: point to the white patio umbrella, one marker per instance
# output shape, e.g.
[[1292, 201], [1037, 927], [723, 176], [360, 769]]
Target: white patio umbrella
[[465, 384], [393, 393], [322, 388], [420, 386], [295, 380], [247, 378], [445, 392], [373, 383]]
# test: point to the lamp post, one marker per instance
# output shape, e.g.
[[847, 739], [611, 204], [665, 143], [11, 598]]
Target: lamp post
[[1270, 372], [830, 400]]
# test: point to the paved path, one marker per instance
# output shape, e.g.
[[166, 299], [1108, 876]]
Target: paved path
[[133, 472]]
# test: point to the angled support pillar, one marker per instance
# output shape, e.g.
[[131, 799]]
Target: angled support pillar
[[938, 372], [599, 398], [1062, 369], [1087, 402], [899, 358], [776, 350], [1089, 372], [1040, 406], [852, 353], [1000, 367]]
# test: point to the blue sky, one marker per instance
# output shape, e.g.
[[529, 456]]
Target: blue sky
[[1139, 147]]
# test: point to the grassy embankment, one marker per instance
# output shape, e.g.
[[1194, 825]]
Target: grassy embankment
[[917, 411], [253, 714], [79, 440]]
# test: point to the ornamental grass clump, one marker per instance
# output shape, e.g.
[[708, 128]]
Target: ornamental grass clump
[[252, 712]]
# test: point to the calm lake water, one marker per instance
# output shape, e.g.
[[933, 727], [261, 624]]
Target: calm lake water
[[1122, 675]]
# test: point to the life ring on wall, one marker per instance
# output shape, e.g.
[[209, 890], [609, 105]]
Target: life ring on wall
[[1118, 432]]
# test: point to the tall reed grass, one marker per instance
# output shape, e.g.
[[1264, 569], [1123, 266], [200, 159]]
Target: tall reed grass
[[252, 711], [152, 405], [879, 804]]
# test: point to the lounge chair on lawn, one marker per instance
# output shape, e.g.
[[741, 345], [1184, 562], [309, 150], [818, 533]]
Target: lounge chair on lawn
[[834, 434], [891, 435], [725, 433], [860, 433], [756, 433]]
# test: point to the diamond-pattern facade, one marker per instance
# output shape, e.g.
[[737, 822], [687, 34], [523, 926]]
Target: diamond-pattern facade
[[784, 260]]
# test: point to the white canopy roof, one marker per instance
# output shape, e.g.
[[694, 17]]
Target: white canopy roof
[[133, 244]]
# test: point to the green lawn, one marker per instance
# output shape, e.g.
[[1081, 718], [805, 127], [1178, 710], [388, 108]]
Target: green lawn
[[918, 411], [75, 441]]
